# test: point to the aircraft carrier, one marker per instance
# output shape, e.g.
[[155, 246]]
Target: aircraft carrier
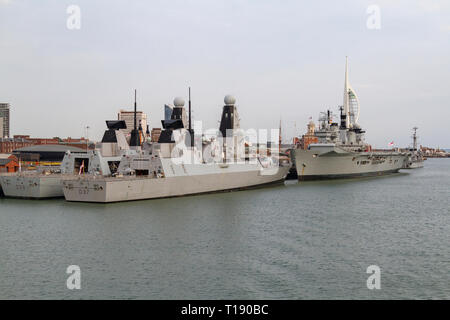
[[180, 164], [340, 150]]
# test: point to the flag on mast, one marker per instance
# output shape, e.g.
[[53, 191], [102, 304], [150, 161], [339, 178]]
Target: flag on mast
[[81, 168], [391, 144]]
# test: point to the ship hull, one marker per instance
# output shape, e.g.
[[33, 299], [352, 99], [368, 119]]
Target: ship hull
[[312, 165], [105, 190], [33, 187], [414, 165], [346, 176]]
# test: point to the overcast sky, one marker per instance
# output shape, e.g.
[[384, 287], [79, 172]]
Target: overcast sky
[[279, 58]]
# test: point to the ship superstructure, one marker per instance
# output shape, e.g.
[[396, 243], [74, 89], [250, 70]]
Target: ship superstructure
[[341, 150], [415, 158]]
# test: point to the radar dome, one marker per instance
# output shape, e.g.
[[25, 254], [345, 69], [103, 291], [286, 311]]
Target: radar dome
[[229, 100], [178, 102]]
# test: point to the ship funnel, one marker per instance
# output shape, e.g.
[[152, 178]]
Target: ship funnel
[[114, 140]]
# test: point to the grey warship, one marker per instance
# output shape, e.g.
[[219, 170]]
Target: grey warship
[[165, 170], [341, 151], [415, 158], [47, 183]]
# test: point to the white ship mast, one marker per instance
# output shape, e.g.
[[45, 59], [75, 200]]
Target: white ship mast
[[415, 138]]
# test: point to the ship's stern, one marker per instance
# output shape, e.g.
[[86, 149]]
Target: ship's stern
[[85, 190]]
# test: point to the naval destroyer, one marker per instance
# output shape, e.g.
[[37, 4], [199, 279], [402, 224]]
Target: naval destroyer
[[47, 183], [340, 150], [181, 163]]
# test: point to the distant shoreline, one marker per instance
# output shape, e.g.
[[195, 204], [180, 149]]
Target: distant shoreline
[[436, 156]]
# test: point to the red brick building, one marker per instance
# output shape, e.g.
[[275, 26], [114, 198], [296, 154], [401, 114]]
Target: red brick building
[[307, 138], [8, 145], [8, 163], [72, 140], [36, 141]]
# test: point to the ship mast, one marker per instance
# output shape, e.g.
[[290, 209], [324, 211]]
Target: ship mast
[[279, 138], [135, 110], [415, 138], [191, 132], [135, 139]]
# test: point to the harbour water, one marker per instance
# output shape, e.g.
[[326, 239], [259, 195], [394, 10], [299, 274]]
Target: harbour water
[[308, 240]]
